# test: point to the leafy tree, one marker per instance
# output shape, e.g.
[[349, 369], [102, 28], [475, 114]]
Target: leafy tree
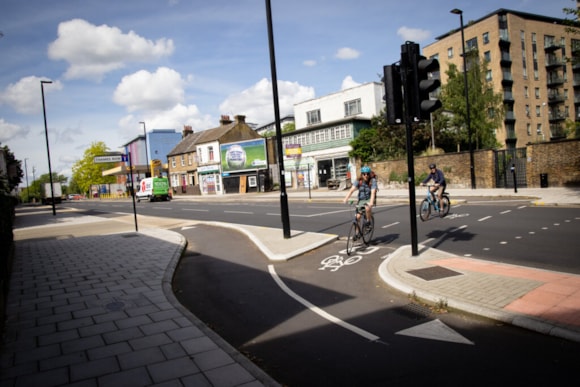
[[15, 174], [86, 172], [485, 106]]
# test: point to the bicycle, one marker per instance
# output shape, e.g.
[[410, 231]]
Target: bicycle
[[359, 230], [441, 208]]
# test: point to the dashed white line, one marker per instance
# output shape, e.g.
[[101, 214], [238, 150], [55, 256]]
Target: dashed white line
[[484, 218], [238, 212], [195, 209], [390, 225], [505, 212]]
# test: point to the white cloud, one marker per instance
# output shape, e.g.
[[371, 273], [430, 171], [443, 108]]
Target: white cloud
[[92, 51], [24, 96], [348, 82], [346, 53], [309, 63], [150, 91], [9, 131], [413, 34], [256, 103]]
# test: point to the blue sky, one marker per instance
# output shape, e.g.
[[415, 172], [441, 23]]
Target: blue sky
[[171, 63]]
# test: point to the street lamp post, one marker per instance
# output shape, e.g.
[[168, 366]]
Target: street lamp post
[[27, 187], [468, 118], [146, 151], [47, 147]]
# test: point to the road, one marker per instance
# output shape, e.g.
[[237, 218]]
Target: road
[[503, 231], [318, 321]]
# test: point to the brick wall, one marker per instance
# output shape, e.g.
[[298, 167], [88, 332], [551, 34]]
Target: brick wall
[[559, 159]]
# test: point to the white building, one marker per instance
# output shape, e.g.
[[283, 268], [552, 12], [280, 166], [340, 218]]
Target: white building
[[316, 153]]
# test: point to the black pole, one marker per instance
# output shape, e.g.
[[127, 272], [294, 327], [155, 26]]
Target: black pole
[[47, 147], [515, 178], [283, 196], [407, 55], [468, 115], [133, 192]]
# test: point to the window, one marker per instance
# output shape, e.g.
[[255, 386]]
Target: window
[[539, 129], [471, 44], [199, 155], [537, 92], [485, 37], [526, 92], [313, 117], [538, 110], [487, 56], [210, 150], [450, 52], [173, 162], [352, 108], [527, 110], [488, 75], [529, 129], [183, 160]]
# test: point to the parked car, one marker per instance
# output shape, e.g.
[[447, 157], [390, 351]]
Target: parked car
[[74, 197]]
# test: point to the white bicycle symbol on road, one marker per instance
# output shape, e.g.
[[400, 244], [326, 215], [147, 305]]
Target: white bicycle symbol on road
[[335, 262]]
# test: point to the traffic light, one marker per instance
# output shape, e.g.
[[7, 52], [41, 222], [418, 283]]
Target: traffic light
[[393, 94], [421, 84]]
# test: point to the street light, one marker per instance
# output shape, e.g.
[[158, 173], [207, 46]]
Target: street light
[[27, 187], [146, 152], [47, 147], [471, 166]]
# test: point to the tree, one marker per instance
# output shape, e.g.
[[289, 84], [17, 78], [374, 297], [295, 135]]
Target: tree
[[485, 106], [86, 172], [14, 178]]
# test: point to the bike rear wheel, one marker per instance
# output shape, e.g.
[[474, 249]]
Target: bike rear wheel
[[368, 231], [425, 210], [445, 205], [350, 240]]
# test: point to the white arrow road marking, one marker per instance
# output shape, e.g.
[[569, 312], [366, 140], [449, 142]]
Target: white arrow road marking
[[318, 311], [435, 330]]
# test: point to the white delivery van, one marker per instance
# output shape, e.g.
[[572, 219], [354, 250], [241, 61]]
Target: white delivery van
[[153, 188]]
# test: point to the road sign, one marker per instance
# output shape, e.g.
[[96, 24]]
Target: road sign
[[110, 159]]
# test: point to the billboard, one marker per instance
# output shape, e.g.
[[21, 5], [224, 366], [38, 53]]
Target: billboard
[[243, 156]]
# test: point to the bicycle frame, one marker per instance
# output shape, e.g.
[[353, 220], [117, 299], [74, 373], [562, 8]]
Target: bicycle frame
[[428, 202], [359, 228]]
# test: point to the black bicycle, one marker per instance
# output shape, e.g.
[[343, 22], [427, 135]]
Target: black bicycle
[[360, 230], [442, 208]]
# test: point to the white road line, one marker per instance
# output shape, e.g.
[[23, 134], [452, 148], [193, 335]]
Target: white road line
[[505, 212], [482, 219], [163, 208], [459, 228], [195, 209], [520, 207], [318, 311], [390, 225], [238, 212], [427, 241]]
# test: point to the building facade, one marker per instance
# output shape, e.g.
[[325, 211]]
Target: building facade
[[529, 65], [198, 163], [316, 153]]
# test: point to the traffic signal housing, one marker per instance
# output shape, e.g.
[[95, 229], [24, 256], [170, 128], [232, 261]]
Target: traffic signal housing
[[393, 94], [424, 84], [418, 81]]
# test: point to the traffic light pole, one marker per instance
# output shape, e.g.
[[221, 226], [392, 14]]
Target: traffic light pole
[[407, 82]]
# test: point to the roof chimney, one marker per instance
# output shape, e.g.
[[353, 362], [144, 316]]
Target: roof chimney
[[225, 120], [187, 130], [240, 119]]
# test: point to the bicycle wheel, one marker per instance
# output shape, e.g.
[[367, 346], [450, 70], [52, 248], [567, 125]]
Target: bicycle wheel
[[445, 206], [368, 231], [425, 210], [350, 240]]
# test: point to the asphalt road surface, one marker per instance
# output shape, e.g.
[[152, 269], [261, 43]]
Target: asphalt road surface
[[318, 321]]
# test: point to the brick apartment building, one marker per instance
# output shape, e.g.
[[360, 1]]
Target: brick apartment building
[[529, 63]]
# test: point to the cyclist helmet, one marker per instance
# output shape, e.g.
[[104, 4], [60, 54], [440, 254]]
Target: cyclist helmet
[[431, 166], [365, 169]]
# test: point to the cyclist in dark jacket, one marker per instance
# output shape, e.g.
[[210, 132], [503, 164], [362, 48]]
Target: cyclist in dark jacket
[[438, 178]]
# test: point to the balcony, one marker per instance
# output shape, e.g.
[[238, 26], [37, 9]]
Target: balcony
[[555, 80], [556, 98]]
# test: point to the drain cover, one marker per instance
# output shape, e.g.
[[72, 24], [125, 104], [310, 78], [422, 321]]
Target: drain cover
[[413, 311], [433, 273]]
